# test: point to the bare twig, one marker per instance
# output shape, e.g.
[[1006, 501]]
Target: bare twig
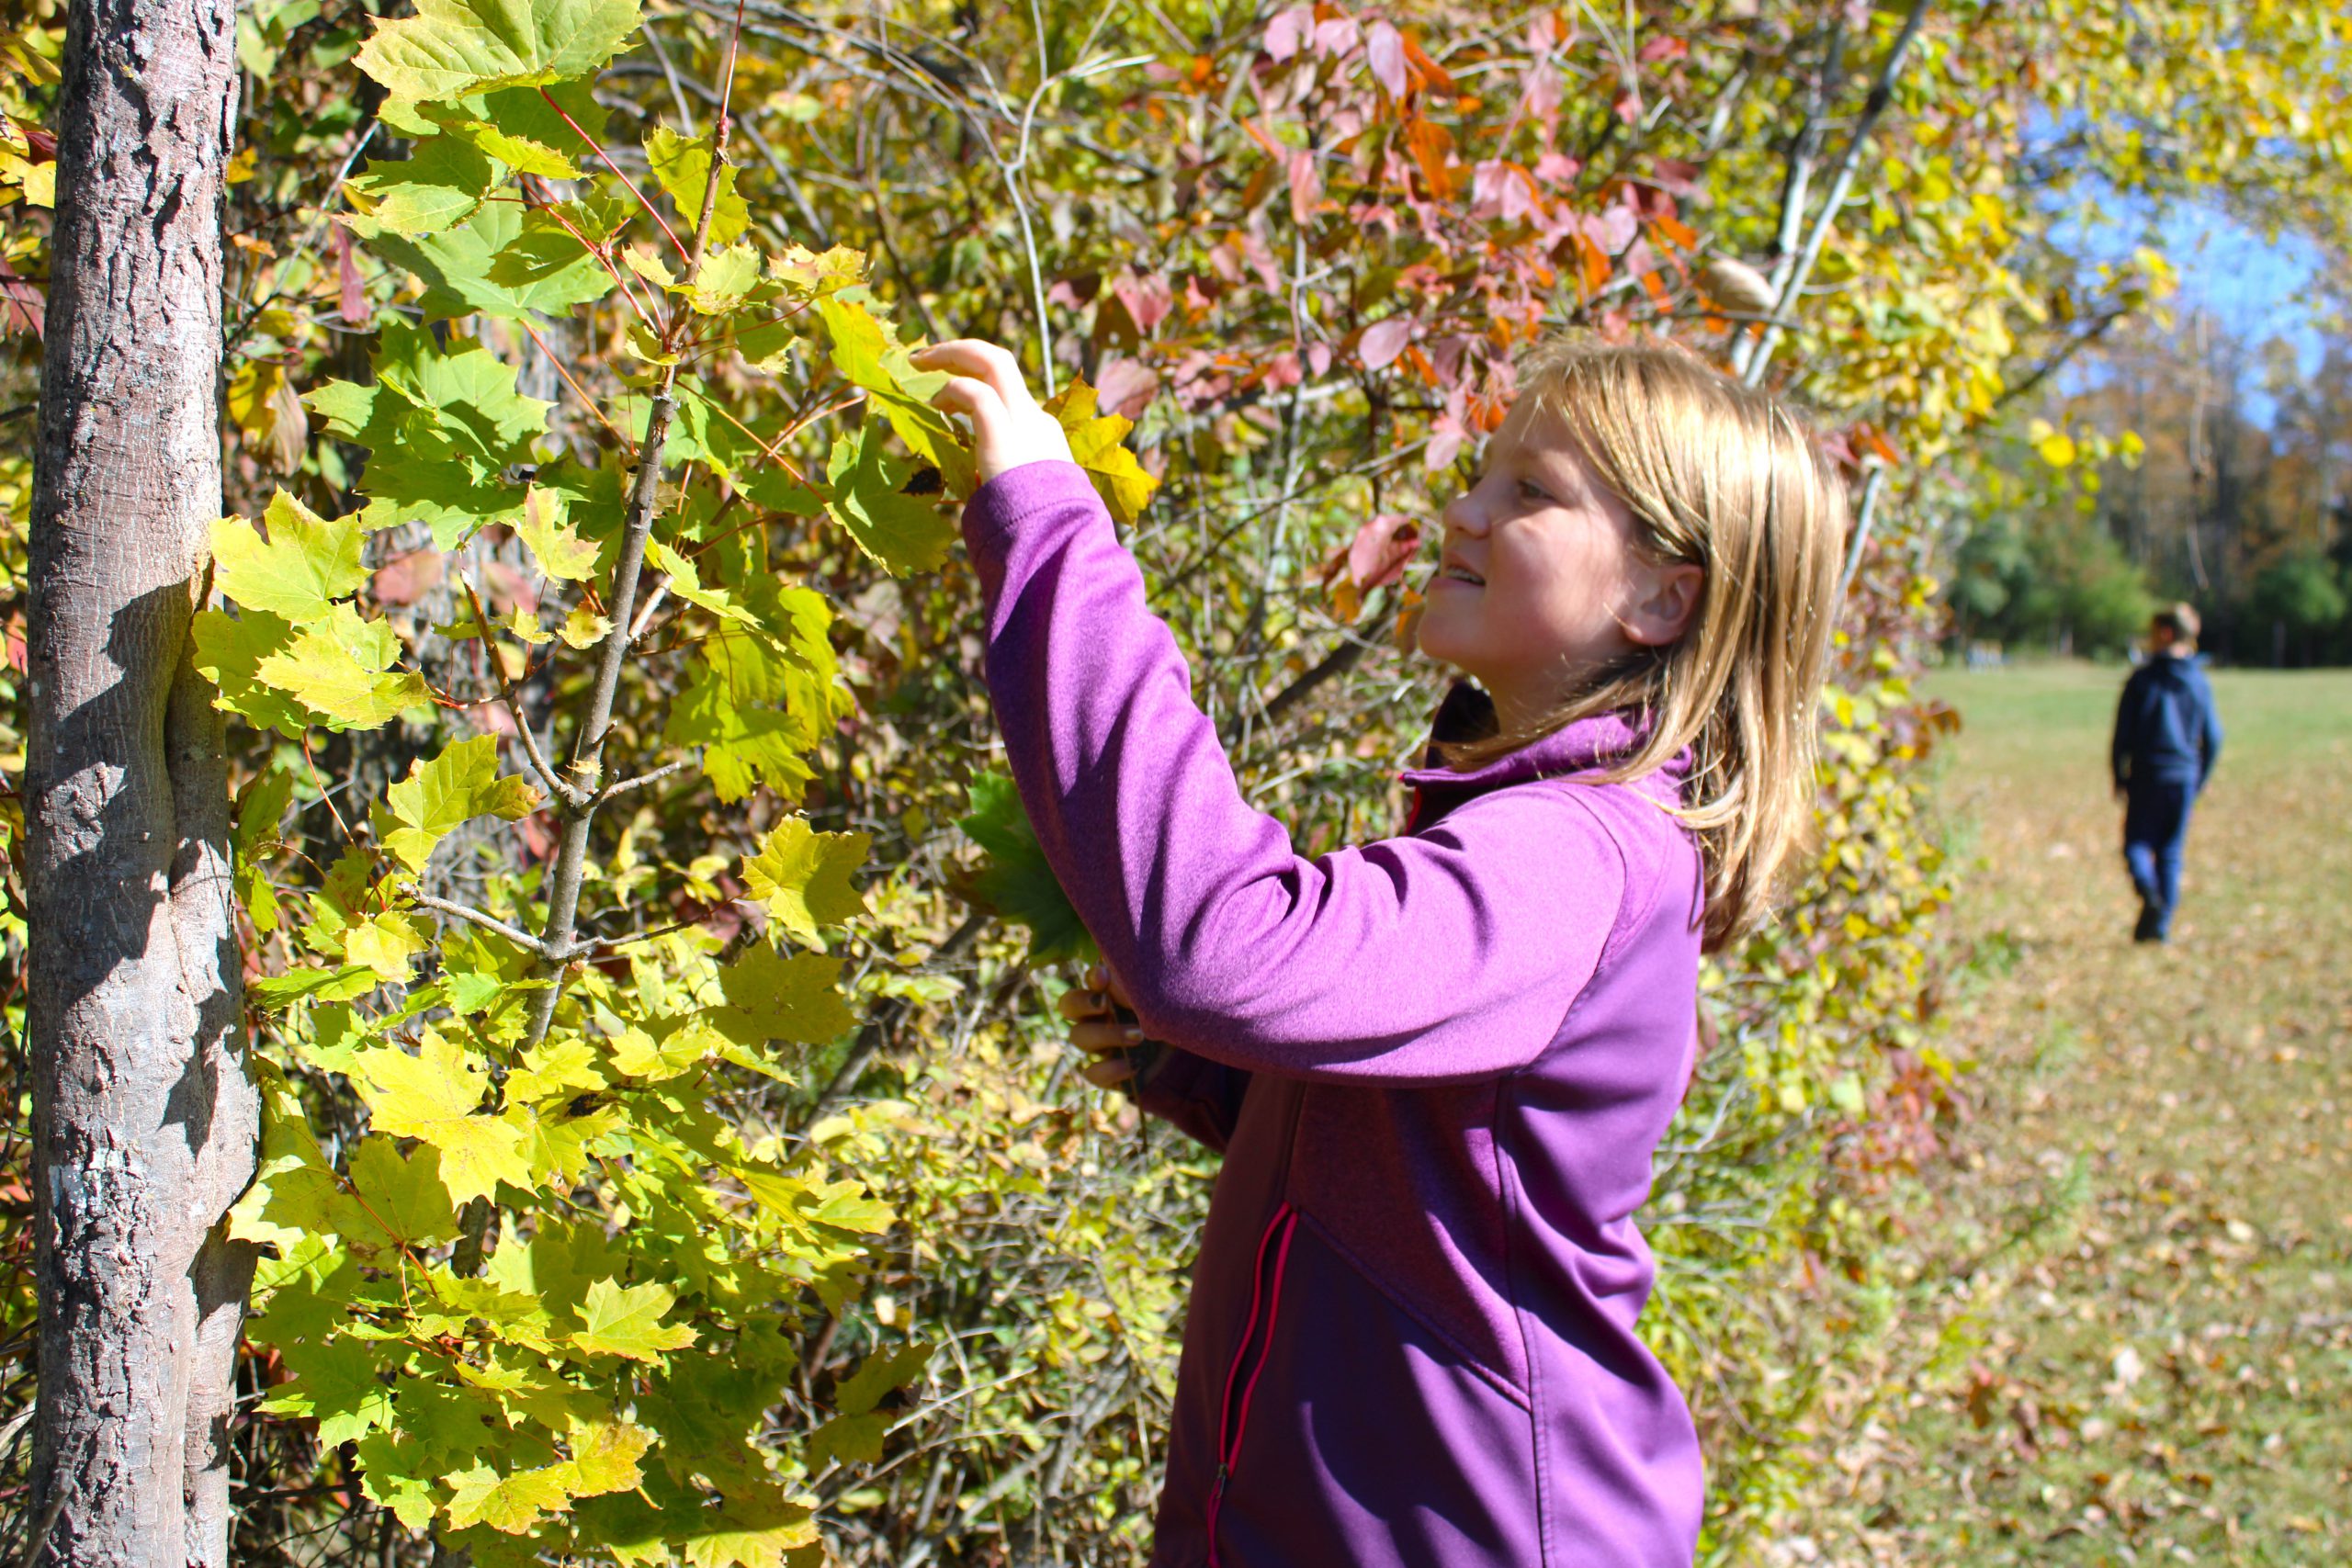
[[1840, 186], [556, 784], [514, 934], [1863, 517]]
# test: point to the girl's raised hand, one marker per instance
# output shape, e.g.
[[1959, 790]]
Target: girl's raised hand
[[1102, 1024], [985, 387]]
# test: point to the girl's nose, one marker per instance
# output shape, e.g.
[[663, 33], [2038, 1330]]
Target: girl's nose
[[1463, 514]]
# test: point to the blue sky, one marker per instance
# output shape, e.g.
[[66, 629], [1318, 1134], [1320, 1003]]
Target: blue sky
[[2257, 286]]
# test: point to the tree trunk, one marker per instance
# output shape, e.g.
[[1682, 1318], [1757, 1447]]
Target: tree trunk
[[144, 1123]]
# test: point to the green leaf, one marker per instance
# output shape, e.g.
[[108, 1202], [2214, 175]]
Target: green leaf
[[803, 877], [340, 668], [439, 796], [273, 992], [513, 1503], [438, 186], [547, 259], [1017, 885], [404, 1198], [723, 281], [229, 651], [901, 532], [305, 564], [681, 165], [604, 1456], [455, 267], [433, 1096], [524, 130], [847, 1440], [452, 48], [773, 997], [625, 1320], [866, 350], [386, 944], [881, 1373], [441, 424], [295, 1193], [337, 1385]]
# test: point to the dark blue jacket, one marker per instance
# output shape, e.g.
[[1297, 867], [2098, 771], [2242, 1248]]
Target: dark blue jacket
[[2166, 727]]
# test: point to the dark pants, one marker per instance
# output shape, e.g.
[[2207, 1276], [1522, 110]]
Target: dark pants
[[2156, 826]]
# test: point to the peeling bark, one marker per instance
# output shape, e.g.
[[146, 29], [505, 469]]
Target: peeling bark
[[144, 1123]]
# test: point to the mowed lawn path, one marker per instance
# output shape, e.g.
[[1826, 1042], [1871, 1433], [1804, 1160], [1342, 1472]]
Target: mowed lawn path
[[2126, 1334]]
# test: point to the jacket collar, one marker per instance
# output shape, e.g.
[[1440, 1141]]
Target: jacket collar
[[1587, 746]]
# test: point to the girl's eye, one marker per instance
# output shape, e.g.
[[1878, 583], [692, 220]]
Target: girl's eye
[[1530, 490]]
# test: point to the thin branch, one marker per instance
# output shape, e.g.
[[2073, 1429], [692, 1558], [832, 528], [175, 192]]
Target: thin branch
[[514, 934], [656, 776], [1863, 521], [1840, 186], [557, 785]]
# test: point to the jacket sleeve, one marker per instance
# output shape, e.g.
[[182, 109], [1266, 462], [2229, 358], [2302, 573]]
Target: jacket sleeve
[[1199, 1098], [2208, 737], [1450, 956], [2126, 731]]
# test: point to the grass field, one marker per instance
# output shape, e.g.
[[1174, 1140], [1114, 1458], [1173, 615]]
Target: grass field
[[2125, 1334]]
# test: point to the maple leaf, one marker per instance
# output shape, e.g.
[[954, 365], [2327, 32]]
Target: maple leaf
[[439, 796], [901, 532], [511, 1504], [441, 183], [803, 876], [773, 997], [452, 48], [433, 1096], [403, 1196], [1017, 884], [557, 546], [339, 667], [681, 166], [625, 1321], [1094, 445], [299, 570]]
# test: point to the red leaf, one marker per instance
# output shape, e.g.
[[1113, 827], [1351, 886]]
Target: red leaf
[[1377, 555], [1122, 387], [406, 579], [1663, 49], [1306, 188], [23, 307], [1384, 341], [352, 301], [1385, 47], [1288, 30]]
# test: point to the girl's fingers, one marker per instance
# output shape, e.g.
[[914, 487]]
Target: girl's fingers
[[1100, 978], [987, 362], [1107, 1074], [975, 400], [1078, 1006], [1099, 1037]]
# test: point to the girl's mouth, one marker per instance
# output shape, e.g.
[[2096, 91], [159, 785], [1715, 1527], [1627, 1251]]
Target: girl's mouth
[[1461, 574]]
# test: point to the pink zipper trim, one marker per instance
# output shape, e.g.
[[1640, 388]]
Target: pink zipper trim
[[1285, 1221]]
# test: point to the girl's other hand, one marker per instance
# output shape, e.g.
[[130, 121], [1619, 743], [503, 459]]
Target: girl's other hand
[[985, 387], [1102, 1024]]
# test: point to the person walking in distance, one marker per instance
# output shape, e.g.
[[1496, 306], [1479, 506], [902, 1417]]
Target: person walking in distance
[[2166, 737]]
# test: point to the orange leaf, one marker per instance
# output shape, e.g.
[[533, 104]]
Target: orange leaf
[[1594, 262], [1433, 74], [1677, 230], [1430, 144]]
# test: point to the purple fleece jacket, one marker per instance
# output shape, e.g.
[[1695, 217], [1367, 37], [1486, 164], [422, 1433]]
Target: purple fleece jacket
[[1437, 1065]]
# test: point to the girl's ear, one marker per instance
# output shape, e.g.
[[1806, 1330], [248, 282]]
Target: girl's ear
[[1664, 599]]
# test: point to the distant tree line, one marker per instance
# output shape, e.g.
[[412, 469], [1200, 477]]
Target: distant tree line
[[2232, 491]]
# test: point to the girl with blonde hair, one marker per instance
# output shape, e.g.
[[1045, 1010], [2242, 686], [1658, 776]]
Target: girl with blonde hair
[[1438, 1064]]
